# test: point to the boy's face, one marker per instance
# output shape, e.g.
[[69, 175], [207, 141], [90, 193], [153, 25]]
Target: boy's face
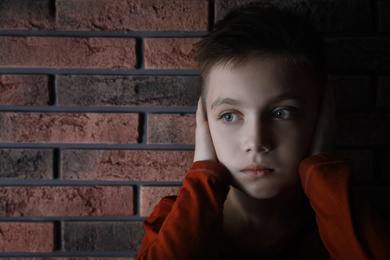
[[261, 118]]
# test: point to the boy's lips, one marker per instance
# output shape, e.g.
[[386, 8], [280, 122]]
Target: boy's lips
[[257, 170]]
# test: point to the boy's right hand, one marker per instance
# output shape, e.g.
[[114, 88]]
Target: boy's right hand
[[204, 148]]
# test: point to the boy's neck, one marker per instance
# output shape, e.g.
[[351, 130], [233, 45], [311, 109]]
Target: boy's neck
[[258, 212], [259, 226]]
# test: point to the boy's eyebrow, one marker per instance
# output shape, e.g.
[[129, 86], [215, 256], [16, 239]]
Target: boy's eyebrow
[[287, 97], [219, 101]]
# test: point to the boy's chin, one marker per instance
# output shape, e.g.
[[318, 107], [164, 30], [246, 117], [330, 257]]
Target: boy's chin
[[254, 192], [264, 191]]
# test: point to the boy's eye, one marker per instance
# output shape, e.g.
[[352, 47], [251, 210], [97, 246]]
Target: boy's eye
[[229, 117], [283, 113]]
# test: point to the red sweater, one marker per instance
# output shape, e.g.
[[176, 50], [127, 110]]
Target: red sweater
[[335, 225]]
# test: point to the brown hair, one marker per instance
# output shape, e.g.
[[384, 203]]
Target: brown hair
[[252, 32]]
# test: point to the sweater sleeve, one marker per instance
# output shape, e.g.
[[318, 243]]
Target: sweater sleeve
[[348, 226], [191, 226]]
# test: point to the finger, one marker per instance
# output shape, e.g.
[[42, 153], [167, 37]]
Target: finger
[[200, 114], [329, 103], [329, 107], [204, 148], [324, 134]]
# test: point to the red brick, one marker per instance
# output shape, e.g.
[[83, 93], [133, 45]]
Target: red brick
[[384, 18], [26, 163], [122, 165], [27, 237], [328, 16], [24, 90], [68, 128], [67, 52], [383, 99], [105, 90], [66, 201], [171, 129], [102, 236], [27, 15], [132, 15], [151, 196], [170, 53]]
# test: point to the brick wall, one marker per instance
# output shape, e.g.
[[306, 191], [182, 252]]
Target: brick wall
[[97, 102]]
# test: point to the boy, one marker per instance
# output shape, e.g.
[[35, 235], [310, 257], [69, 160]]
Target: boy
[[264, 184]]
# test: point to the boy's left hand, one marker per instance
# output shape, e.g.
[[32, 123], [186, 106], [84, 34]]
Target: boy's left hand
[[324, 134]]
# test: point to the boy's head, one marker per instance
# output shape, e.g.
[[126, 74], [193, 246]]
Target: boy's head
[[262, 72], [254, 32]]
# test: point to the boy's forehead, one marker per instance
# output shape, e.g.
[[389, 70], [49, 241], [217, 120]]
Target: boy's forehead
[[294, 78], [276, 70], [280, 66]]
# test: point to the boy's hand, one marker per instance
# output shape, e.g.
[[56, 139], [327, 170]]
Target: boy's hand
[[324, 135], [204, 148]]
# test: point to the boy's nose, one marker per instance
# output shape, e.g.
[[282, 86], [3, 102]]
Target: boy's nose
[[257, 137]]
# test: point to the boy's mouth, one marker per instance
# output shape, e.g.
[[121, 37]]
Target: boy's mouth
[[257, 171]]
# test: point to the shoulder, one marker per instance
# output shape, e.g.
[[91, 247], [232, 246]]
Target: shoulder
[[321, 169], [312, 163]]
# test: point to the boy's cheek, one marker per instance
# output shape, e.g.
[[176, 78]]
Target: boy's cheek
[[222, 144]]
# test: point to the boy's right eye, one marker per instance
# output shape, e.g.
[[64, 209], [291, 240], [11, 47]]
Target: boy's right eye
[[229, 117]]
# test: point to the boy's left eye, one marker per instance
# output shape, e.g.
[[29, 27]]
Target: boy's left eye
[[282, 113]]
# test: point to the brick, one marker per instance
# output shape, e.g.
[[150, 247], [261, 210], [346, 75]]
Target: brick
[[384, 19], [384, 164], [125, 165], [27, 237], [27, 15], [361, 162], [327, 16], [67, 52], [171, 129], [102, 236], [383, 99], [24, 90], [41, 201], [69, 128], [132, 15], [71, 258], [378, 196], [177, 91], [151, 196], [358, 54], [26, 163], [170, 53], [353, 91], [364, 129]]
